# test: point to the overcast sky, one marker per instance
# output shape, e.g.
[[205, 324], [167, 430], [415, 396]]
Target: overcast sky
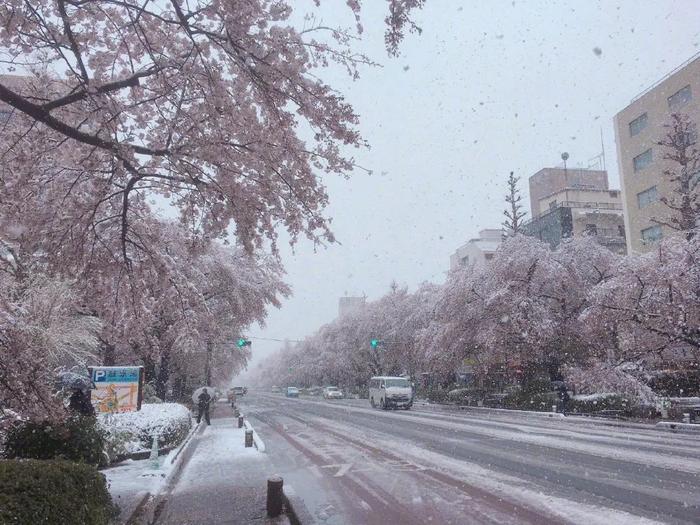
[[487, 88]]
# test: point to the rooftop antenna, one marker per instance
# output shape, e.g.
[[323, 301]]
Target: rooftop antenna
[[565, 157], [602, 147]]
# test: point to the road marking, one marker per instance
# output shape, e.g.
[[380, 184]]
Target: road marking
[[343, 469]]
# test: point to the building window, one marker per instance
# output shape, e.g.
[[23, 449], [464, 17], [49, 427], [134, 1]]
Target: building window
[[647, 197], [652, 234], [488, 256], [591, 229], [638, 124], [642, 160], [680, 98], [464, 261], [621, 230]]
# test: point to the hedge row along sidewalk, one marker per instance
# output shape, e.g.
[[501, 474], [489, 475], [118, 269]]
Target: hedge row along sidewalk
[[53, 492]]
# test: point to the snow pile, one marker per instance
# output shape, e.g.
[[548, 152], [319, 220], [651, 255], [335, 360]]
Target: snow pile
[[132, 432], [593, 397], [602, 378]]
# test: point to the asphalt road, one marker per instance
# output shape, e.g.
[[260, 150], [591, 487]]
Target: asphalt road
[[346, 463]]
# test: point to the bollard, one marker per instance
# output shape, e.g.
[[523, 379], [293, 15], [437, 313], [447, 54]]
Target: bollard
[[240, 421], [155, 462], [275, 496], [248, 438]]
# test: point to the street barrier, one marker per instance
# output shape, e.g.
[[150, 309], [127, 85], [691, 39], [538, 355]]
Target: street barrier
[[248, 438], [240, 421]]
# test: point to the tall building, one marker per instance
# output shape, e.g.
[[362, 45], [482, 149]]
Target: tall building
[[566, 203], [638, 129], [552, 180], [477, 251]]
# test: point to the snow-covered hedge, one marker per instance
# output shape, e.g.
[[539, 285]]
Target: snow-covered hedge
[[133, 432]]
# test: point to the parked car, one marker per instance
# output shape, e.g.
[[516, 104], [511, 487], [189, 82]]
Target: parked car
[[390, 392], [332, 392], [275, 389], [292, 391], [315, 391]]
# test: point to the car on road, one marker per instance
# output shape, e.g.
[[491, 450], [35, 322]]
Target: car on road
[[315, 391], [292, 391], [390, 392], [275, 389], [240, 390], [332, 392]]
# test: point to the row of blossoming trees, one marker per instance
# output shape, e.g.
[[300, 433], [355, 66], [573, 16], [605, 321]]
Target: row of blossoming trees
[[112, 110], [579, 312]]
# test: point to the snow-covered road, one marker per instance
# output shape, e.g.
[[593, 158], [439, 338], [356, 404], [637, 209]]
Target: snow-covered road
[[432, 466]]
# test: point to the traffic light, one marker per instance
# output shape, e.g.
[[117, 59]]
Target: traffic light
[[374, 343], [243, 342]]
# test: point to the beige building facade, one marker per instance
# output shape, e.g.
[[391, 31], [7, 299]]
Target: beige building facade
[[477, 251], [638, 129], [579, 202], [552, 180]]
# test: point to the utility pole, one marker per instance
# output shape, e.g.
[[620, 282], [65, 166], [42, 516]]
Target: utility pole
[[207, 365]]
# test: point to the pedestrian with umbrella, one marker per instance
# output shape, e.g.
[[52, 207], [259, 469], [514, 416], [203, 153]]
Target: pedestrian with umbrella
[[79, 386], [203, 397]]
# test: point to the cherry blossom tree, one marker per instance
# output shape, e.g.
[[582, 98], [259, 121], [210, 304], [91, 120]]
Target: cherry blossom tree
[[191, 297], [202, 104], [649, 307], [42, 329]]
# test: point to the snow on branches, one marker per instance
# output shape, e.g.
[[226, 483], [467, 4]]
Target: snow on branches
[[202, 104]]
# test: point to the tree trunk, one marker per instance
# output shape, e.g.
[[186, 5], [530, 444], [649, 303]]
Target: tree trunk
[[149, 368], [163, 376], [108, 354]]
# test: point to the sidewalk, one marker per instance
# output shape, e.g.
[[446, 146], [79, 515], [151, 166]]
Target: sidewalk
[[221, 481]]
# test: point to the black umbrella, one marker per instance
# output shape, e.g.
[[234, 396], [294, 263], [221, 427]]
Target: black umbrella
[[74, 381]]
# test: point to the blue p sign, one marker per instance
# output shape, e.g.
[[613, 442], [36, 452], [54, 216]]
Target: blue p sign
[[100, 375]]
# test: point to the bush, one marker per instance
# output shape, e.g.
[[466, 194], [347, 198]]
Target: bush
[[133, 431], [466, 396], [149, 394], [77, 438], [53, 492], [436, 394]]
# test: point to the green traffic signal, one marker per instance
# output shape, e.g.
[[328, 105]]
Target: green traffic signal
[[374, 343], [243, 342]]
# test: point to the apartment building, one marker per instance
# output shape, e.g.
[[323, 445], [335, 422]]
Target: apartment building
[[567, 203], [638, 129], [477, 251]]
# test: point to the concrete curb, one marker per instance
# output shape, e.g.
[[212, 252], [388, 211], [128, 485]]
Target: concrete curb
[[679, 427], [557, 415], [259, 443]]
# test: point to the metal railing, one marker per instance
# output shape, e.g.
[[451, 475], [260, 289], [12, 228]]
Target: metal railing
[[655, 84], [578, 205]]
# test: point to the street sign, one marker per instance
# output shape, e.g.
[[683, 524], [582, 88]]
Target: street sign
[[117, 388]]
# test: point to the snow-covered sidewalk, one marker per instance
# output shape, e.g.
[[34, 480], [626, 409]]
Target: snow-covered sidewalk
[[221, 481]]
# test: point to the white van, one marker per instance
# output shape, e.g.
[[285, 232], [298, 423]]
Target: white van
[[390, 392]]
